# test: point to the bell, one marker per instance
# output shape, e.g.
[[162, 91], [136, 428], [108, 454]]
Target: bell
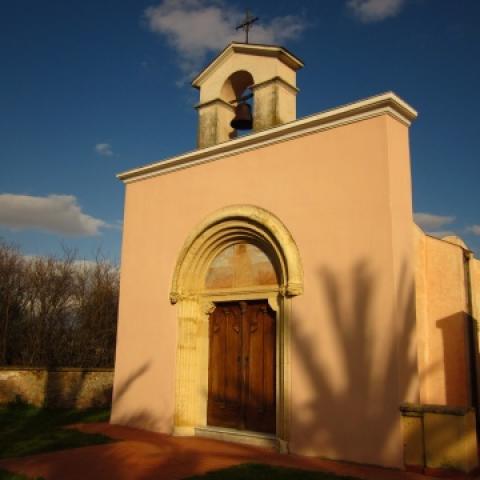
[[243, 117]]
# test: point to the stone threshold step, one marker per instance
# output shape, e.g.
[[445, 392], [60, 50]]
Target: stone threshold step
[[247, 437]]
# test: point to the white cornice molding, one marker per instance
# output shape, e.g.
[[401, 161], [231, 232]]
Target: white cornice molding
[[213, 102], [277, 79], [384, 104]]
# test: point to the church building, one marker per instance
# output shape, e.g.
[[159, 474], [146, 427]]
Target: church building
[[275, 290]]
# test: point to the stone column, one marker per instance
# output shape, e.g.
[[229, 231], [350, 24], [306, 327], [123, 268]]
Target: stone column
[[186, 371], [191, 392], [214, 119], [275, 103]]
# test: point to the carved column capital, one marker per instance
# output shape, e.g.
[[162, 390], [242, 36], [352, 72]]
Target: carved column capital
[[174, 297], [291, 290], [273, 302], [208, 307], [294, 289]]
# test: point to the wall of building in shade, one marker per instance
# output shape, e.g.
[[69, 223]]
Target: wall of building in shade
[[59, 388]]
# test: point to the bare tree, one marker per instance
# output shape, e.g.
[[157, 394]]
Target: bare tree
[[57, 311], [96, 298], [11, 291]]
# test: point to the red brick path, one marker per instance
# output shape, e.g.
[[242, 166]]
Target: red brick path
[[141, 455]]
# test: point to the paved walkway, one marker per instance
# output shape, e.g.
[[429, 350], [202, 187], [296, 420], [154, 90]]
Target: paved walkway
[[141, 455]]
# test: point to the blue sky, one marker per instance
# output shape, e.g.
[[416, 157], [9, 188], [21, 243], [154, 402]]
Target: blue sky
[[92, 88]]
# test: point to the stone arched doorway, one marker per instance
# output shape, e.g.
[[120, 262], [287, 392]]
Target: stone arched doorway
[[240, 255]]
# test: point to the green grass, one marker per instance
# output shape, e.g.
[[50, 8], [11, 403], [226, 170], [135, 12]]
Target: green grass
[[26, 430], [4, 475], [250, 471]]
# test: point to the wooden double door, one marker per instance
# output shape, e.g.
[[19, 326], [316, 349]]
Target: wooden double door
[[242, 372]]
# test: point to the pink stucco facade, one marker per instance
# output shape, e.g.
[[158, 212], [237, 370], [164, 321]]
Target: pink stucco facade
[[344, 194]]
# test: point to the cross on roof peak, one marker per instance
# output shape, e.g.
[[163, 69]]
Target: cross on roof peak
[[246, 25]]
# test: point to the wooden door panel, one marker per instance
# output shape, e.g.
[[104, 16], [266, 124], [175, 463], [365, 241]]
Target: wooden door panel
[[225, 370], [242, 373], [261, 392]]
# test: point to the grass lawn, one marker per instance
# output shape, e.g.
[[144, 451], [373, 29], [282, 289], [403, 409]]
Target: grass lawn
[[26, 430], [4, 475], [251, 471]]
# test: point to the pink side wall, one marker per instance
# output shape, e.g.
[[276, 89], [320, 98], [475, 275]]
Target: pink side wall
[[442, 322], [353, 333]]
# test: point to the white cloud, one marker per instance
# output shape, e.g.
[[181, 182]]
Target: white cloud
[[193, 28], [104, 149], [475, 229], [368, 11], [54, 213], [84, 264], [79, 263], [429, 221]]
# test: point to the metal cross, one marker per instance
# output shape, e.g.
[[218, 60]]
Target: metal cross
[[247, 24]]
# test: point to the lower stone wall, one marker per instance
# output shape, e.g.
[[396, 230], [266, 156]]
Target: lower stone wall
[[59, 388]]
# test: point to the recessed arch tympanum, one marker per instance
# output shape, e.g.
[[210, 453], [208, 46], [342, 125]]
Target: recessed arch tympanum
[[230, 226]]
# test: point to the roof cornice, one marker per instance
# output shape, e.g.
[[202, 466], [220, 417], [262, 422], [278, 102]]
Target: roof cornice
[[384, 104]]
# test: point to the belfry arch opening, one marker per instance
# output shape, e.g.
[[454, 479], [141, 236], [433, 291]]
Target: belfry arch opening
[[237, 92], [240, 265]]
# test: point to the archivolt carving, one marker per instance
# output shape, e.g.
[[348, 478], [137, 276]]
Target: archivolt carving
[[230, 225]]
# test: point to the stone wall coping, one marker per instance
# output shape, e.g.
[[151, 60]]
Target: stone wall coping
[[14, 368], [418, 409]]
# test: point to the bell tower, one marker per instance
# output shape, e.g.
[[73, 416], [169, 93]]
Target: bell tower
[[264, 75]]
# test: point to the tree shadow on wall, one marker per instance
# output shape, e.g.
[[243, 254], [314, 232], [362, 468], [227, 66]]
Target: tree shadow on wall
[[352, 411], [53, 388], [140, 417], [56, 389], [62, 389]]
